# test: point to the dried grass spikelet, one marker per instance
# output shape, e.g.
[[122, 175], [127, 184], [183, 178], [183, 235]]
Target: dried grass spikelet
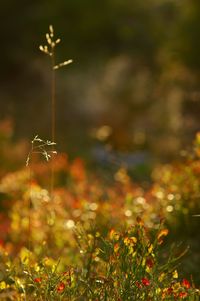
[[49, 49]]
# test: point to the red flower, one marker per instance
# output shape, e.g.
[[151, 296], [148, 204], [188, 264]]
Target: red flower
[[61, 287], [150, 263], [37, 280], [138, 284], [186, 283], [145, 281], [183, 295], [170, 290]]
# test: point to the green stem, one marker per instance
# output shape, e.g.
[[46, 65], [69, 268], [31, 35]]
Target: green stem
[[53, 113]]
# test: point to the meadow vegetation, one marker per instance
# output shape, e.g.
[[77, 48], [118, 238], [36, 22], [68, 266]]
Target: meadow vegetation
[[66, 234]]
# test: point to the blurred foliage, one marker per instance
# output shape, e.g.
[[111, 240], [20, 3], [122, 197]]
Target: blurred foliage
[[135, 61], [109, 27], [81, 205]]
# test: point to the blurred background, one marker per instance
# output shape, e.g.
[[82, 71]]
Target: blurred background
[[132, 94]]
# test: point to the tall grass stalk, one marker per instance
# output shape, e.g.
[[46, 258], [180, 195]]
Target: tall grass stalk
[[53, 107], [50, 50], [39, 145]]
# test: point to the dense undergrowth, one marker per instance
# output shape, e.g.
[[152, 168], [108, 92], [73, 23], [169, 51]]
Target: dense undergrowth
[[90, 241]]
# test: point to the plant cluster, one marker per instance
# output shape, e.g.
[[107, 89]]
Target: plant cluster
[[86, 241], [126, 265]]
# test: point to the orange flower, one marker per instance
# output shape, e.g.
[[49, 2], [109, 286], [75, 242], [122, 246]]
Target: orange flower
[[37, 280], [163, 232], [61, 287]]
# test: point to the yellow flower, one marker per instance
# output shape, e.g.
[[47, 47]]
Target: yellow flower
[[175, 274], [130, 241], [150, 248], [3, 285], [161, 277], [114, 235]]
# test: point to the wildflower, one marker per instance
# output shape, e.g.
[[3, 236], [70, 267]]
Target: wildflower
[[3, 285], [183, 295], [158, 291], [38, 280], [114, 235], [161, 277], [145, 282], [60, 287], [186, 283], [150, 248], [149, 263], [170, 290], [116, 248], [175, 274], [167, 292], [130, 241], [176, 286], [68, 277], [161, 234], [138, 284]]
